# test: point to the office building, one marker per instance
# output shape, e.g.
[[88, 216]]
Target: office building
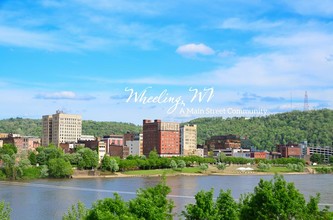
[[162, 136], [61, 128], [188, 140]]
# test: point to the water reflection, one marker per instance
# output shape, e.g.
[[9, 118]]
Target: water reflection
[[50, 199]]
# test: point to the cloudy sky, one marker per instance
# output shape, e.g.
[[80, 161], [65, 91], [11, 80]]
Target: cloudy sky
[[120, 60]]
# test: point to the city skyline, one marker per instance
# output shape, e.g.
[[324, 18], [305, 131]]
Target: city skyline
[[88, 57]]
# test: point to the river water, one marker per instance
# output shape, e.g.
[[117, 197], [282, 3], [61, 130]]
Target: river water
[[50, 199]]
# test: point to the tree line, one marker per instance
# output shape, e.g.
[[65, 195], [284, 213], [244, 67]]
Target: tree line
[[261, 132], [271, 199]]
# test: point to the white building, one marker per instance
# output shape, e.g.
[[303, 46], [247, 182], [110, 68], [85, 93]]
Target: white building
[[101, 150], [61, 128]]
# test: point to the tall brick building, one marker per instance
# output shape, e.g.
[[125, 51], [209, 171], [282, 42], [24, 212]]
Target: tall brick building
[[162, 136]]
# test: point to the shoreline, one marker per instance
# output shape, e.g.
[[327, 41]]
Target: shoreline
[[122, 175]]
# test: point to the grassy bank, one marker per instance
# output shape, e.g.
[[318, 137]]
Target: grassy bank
[[163, 171]]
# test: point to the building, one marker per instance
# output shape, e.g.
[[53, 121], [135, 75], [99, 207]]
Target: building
[[1, 143], [289, 150], [232, 152], [87, 138], [259, 154], [223, 142], [188, 140], [61, 128], [101, 150], [135, 145], [118, 151], [23, 143], [326, 151], [134, 142], [161, 136]]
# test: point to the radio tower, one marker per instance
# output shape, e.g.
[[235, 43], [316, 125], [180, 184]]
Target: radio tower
[[306, 102]]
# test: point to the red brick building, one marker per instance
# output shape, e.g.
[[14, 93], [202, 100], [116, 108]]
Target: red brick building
[[223, 142], [289, 150], [259, 155], [162, 136]]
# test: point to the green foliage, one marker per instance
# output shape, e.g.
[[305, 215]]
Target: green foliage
[[31, 173], [150, 203], [296, 167], [8, 149], [78, 212], [5, 211], [44, 171], [204, 207], [173, 164], [265, 132], [264, 166], [221, 157], [181, 164], [110, 208], [33, 158], [204, 166], [33, 127], [317, 158], [221, 166], [113, 166], [331, 159], [88, 159], [59, 168], [324, 170], [225, 207], [277, 199]]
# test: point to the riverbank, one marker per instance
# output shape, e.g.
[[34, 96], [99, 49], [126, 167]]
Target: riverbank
[[212, 171]]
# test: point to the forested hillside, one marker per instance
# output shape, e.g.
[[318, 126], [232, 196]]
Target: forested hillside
[[314, 126], [33, 127]]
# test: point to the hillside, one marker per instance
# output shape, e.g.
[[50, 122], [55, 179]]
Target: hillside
[[33, 127], [265, 132]]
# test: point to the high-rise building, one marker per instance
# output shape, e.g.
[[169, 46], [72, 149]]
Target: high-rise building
[[188, 140], [161, 136], [61, 128]]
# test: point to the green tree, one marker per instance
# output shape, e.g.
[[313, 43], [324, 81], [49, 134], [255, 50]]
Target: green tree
[[33, 158], [317, 158], [60, 168], [173, 165], [44, 171], [152, 203], [110, 208], [9, 149], [331, 159], [275, 199], [78, 212], [12, 169], [204, 207], [204, 166], [221, 166], [113, 166], [5, 211], [227, 207], [221, 157], [105, 163], [88, 160], [181, 164]]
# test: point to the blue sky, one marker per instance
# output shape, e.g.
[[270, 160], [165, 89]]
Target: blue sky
[[80, 56]]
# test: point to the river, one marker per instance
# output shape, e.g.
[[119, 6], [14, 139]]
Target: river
[[50, 199]]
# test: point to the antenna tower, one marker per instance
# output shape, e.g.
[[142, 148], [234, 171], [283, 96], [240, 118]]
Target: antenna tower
[[306, 102]]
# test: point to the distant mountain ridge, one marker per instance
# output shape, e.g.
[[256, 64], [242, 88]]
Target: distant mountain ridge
[[315, 126]]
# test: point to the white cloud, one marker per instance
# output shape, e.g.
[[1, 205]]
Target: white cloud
[[63, 95], [320, 8], [191, 50], [238, 24]]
